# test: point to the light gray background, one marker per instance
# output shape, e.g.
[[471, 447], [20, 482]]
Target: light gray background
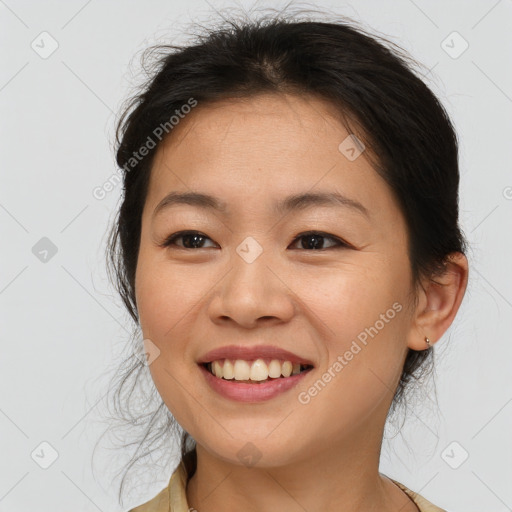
[[61, 323]]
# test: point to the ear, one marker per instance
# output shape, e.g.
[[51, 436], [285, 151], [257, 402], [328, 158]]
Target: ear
[[439, 299]]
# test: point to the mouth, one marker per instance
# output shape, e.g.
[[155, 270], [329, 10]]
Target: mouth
[[257, 371]]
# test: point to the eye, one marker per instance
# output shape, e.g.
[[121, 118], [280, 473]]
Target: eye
[[191, 240], [195, 240], [315, 239]]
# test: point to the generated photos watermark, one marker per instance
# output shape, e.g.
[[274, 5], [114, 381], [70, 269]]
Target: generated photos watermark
[[156, 136], [344, 359]]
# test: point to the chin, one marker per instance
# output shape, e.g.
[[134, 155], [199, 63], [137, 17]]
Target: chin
[[253, 451]]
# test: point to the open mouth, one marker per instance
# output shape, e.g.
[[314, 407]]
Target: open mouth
[[254, 372]]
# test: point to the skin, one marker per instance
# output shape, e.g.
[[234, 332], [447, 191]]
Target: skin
[[251, 153]]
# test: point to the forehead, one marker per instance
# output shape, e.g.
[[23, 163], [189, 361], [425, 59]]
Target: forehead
[[269, 145]]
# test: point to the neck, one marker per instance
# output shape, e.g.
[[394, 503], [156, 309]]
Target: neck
[[342, 476]]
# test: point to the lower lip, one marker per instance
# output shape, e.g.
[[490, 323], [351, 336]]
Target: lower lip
[[244, 392]]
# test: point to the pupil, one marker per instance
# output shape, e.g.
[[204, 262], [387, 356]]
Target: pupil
[[194, 244], [317, 241]]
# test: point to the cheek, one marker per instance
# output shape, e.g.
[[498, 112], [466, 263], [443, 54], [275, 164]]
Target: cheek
[[166, 295], [351, 298], [166, 299], [363, 318]]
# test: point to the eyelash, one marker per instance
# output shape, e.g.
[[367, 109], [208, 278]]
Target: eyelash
[[169, 241]]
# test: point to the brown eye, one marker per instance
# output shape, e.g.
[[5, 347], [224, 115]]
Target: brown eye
[[312, 240], [190, 240], [315, 240]]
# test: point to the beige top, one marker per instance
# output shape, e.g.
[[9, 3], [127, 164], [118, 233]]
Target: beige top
[[173, 498]]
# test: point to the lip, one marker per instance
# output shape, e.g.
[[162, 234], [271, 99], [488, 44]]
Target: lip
[[244, 392], [251, 353]]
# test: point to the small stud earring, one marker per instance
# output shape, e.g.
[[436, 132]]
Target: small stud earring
[[427, 341]]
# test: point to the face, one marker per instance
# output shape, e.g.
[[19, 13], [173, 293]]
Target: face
[[338, 296]]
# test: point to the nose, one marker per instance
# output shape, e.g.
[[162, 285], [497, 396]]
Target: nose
[[252, 294]]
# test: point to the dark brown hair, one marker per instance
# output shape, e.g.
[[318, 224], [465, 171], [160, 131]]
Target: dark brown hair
[[369, 82]]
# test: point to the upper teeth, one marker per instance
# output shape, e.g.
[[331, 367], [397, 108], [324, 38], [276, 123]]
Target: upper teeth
[[257, 370]]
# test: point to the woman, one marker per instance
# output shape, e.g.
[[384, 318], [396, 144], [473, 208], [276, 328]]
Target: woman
[[289, 246]]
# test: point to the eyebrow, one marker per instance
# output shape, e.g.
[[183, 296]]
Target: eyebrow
[[294, 202]]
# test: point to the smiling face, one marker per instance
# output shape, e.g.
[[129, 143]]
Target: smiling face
[[253, 278]]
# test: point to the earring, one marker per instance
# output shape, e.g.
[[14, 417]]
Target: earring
[[427, 341]]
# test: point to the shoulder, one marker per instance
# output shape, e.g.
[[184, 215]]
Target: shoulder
[[423, 504], [160, 503], [172, 498]]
